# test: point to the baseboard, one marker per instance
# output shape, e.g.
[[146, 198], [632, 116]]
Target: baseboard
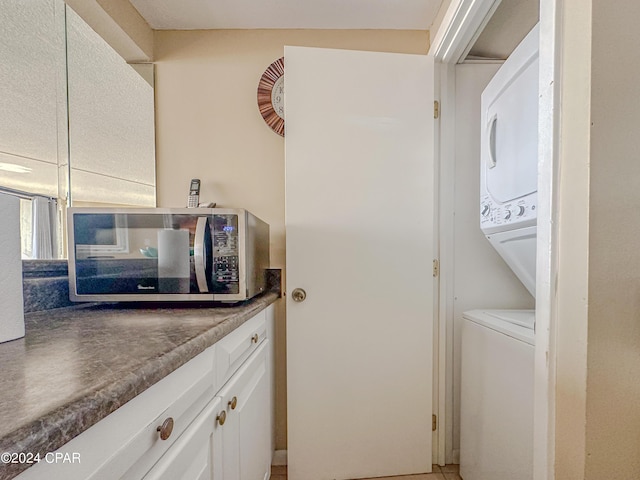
[[456, 456], [279, 458]]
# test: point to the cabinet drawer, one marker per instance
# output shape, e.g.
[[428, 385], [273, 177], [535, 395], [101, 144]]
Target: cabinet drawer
[[147, 446], [236, 347], [182, 402]]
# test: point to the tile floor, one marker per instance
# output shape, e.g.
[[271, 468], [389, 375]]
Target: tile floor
[[448, 472]]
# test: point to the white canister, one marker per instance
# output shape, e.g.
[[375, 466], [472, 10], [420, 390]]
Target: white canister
[[11, 299]]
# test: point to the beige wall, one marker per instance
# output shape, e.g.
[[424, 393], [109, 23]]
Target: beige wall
[[613, 378], [209, 127], [598, 295]]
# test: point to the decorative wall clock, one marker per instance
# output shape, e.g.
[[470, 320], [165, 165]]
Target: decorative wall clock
[[271, 96]]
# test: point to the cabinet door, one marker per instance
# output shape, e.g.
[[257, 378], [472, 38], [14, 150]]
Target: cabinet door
[[191, 457], [253, 423], [242, 444]]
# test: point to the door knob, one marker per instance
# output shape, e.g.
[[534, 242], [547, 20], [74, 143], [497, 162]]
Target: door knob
[[298, 295]]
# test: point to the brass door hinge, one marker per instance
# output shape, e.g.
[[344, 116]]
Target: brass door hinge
[[436, 109], [436, 267], [434, 423]]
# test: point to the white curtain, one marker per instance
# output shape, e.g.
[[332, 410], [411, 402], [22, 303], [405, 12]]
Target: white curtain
[[45, 228]]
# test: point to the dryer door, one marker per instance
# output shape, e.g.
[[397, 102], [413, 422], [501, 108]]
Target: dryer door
[[510, 125], [518, 249]]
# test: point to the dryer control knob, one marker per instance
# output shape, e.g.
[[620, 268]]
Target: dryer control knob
[[521, 211], [485, 210], [507, 214]]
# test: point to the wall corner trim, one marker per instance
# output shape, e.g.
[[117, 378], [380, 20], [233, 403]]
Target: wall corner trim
[[120, 25], [460, 27]]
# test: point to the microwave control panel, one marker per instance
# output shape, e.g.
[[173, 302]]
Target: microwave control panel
[[226, 268]]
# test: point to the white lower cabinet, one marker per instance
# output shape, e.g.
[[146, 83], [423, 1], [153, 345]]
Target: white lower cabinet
[[231, 438], [214, 427], [242, 438], [191, 457]]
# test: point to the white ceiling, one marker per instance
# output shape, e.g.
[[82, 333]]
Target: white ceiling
[[286, 14]]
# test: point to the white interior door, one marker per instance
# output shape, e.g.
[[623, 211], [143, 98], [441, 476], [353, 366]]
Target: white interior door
[[359, 224]]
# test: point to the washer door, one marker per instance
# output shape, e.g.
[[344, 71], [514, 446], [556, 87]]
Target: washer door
[[518, 249]]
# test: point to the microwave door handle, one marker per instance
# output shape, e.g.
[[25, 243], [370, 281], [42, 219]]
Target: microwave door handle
[[200, 255]]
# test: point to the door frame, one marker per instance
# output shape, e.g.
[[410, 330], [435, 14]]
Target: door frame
[[462, 23]]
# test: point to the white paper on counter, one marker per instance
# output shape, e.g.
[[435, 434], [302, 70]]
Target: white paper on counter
[[11, 298], [173, 261]]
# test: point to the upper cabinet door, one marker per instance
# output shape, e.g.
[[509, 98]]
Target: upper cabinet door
[[360, 243]]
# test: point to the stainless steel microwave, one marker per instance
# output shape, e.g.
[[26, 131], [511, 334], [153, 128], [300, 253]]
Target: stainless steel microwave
[[166, 254]]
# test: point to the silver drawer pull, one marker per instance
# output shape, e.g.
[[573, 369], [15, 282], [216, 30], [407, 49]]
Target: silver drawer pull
[[255, 338]]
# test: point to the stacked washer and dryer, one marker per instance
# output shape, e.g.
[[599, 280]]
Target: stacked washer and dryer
[[497, 370]]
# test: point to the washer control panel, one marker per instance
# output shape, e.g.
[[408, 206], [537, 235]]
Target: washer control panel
[[496, 216]]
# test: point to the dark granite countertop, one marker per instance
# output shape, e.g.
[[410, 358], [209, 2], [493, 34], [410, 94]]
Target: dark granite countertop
[[77, 365]]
